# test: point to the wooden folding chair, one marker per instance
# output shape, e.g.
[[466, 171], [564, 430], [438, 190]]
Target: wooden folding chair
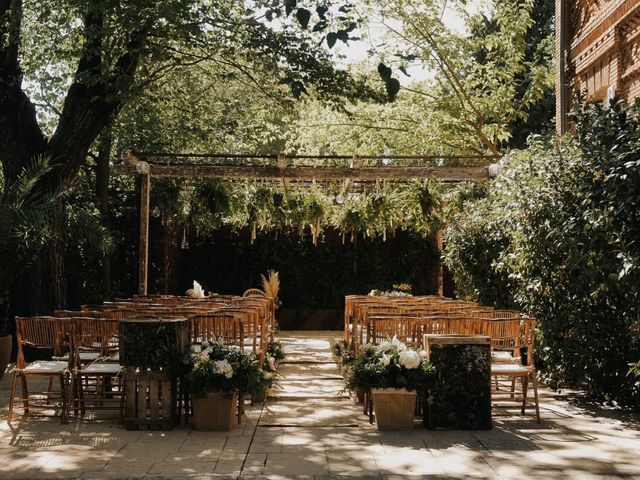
[[514, 371], [96, 385], [48, 333]]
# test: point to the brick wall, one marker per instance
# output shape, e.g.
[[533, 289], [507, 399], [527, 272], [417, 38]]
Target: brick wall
[[600, 46]]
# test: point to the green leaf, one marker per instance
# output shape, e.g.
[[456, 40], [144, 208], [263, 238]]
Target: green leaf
[[384, 71], [331, 39], [289, 5], [303, 15], [393, 87]]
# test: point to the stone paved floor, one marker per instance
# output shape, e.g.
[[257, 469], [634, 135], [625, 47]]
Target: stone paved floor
[[308, 429]]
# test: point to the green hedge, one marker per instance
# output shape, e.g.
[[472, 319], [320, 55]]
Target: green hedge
[[559, 235], [459, 396], [314, 277]]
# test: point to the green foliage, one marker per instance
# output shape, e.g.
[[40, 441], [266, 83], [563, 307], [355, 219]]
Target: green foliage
[[225, 369], [24, 223], [313, 277], [153, 346], [459, 396], [564, 229], [475, 238]]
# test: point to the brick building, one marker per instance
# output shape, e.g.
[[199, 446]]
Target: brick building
[[598, 51]]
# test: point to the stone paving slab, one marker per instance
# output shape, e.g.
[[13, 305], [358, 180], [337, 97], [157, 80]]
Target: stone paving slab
[[574, 440]]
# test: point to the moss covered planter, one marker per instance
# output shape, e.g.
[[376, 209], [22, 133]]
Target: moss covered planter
[[153, 344], [460, 394]]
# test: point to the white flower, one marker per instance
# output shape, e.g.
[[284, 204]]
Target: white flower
[[272, 363], [409, 359], [201, 357], [423, 354], [398, 344], [224, 367], [384, 346], [385, 359]]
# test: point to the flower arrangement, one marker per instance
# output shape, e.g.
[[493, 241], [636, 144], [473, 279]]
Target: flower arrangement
[[391, 364], [225, 369], [343, 354], [275, 354], [276, 350]]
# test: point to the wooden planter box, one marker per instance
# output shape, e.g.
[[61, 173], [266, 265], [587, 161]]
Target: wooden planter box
[[214, 411], [394, 408], [150, 401], [460, 396]]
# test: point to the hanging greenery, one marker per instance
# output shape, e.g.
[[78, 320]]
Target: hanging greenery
[[375, 211], [422, 202]]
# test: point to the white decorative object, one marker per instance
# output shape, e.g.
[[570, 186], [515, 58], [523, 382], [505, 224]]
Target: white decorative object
[[196, 291], [494, 169]]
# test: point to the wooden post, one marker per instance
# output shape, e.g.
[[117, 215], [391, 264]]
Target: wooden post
[[440, 244], [143, 270]]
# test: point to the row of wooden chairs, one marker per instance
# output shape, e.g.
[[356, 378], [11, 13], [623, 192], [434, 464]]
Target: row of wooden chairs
[[81, 349], [358, 309], [85, 344], [374, 319]]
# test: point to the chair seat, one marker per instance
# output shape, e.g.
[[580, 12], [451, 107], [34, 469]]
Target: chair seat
[[84, 356], [509, 369], [46, 366], [100, 368], [502, 357]]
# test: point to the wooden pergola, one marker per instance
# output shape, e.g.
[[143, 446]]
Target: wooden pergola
[[287, 168]]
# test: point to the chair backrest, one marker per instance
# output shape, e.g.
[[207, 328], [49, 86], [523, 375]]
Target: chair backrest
[[254, 292], [41, 332], [78, 313], [100, 335], [506, 314], [217, 326], [505, 333]]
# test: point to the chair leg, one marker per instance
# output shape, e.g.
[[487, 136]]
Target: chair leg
[[64, 381], [25, 393], [14, 382], [525, 387], [534, 382], [49, 389]]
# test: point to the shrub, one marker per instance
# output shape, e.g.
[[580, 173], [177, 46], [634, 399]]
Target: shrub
[[569, 224]]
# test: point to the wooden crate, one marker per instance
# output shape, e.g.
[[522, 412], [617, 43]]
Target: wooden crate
[[150, 401], [460, 396]]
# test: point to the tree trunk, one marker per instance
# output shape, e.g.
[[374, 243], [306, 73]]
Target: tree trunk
[[103, 168]]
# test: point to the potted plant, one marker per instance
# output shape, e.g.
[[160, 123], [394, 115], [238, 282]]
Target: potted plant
[[218, 375], [275, 354], [394, 374]]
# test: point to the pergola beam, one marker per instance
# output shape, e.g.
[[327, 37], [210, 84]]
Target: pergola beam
[[389, 172]]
